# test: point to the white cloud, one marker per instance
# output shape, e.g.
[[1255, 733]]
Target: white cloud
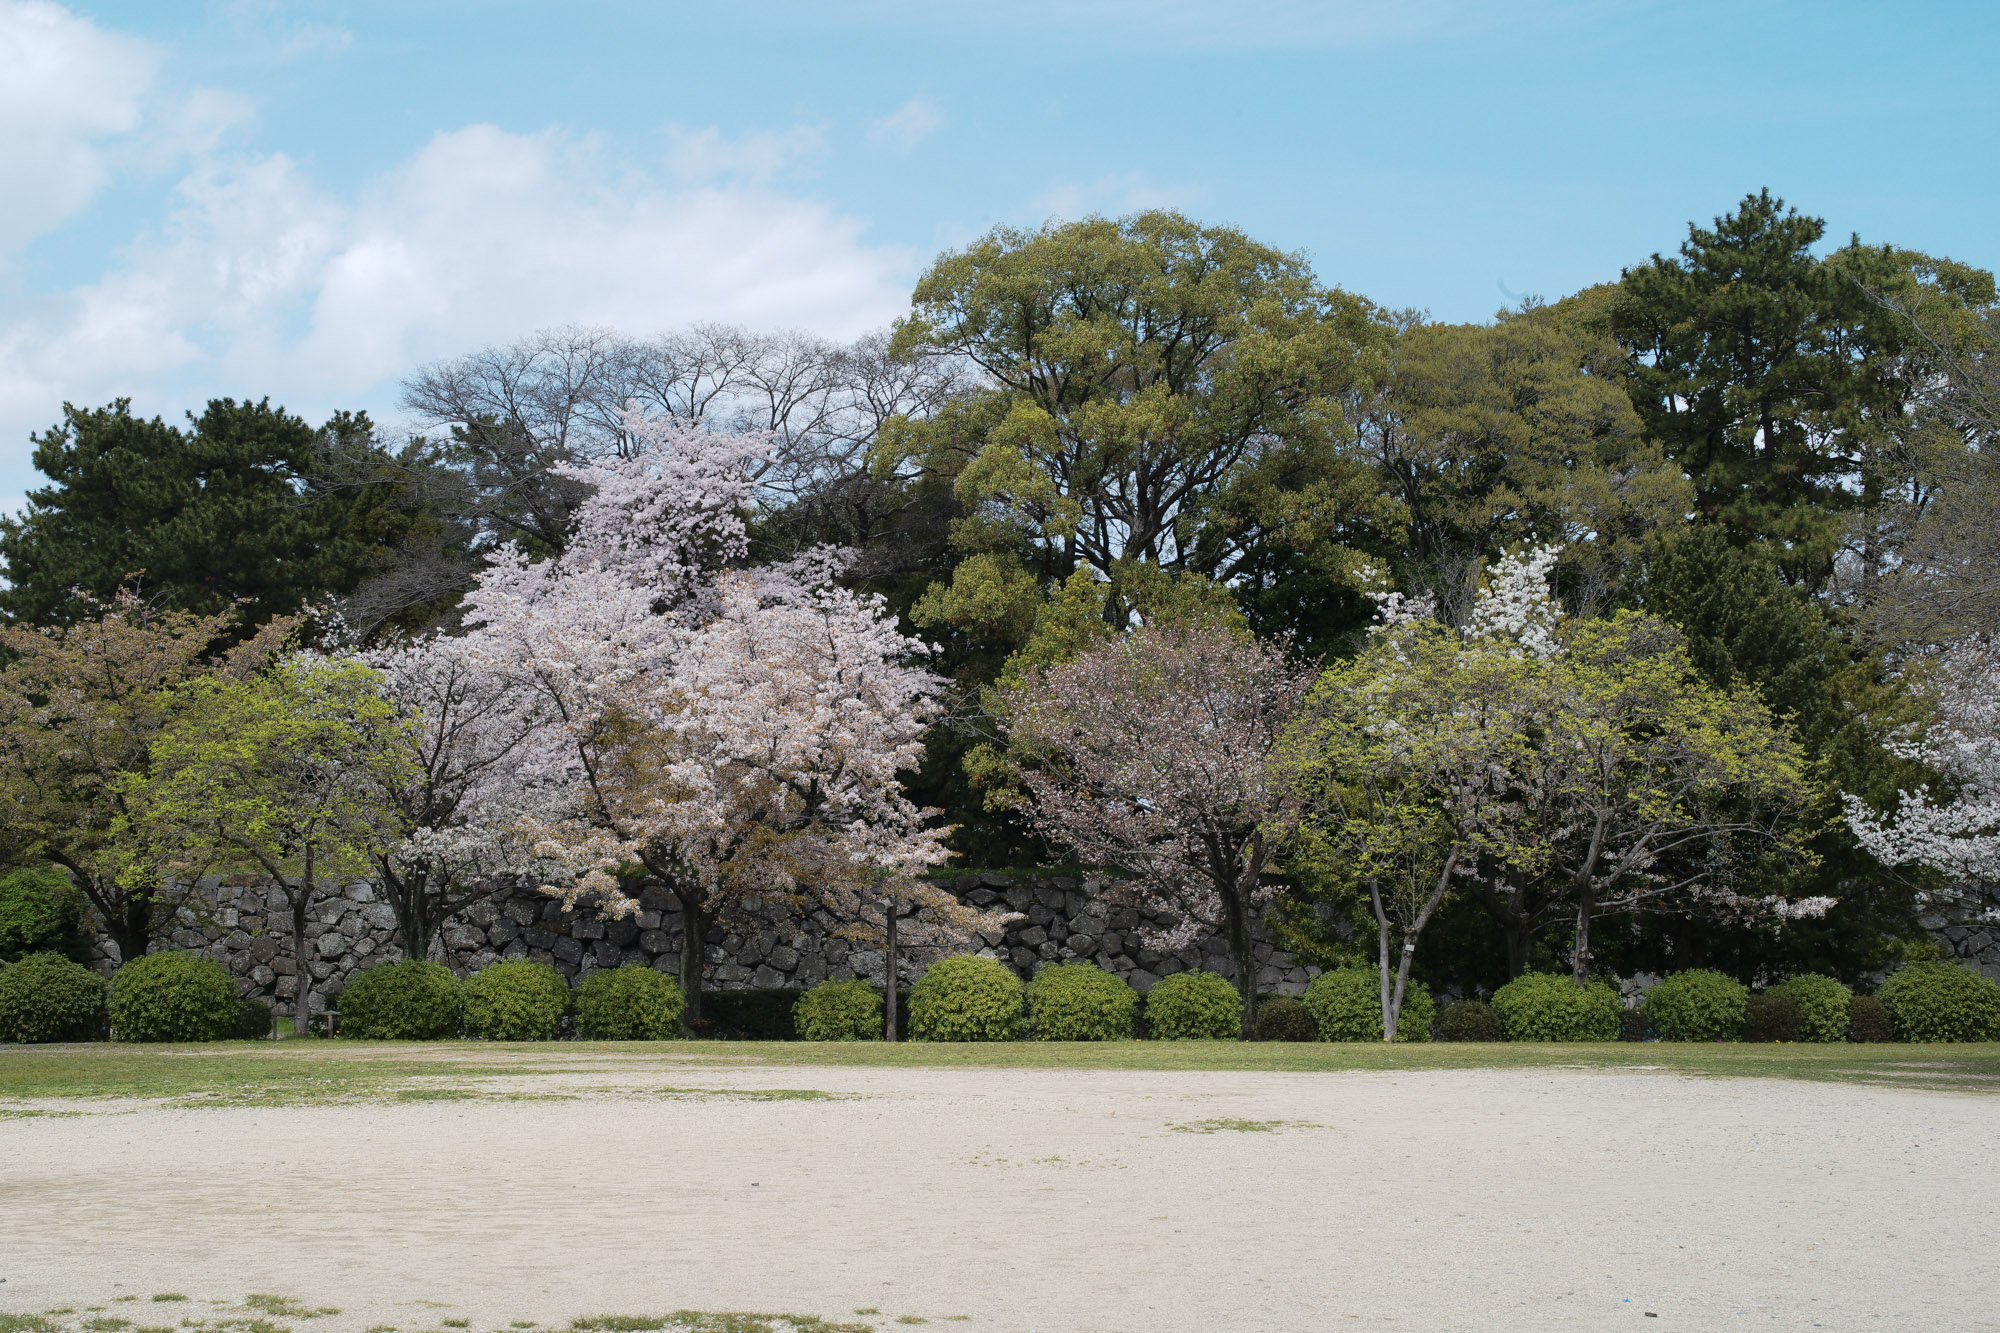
[[909, 124], [259, 281], [707, 154], [70, 90], [1112, 194]]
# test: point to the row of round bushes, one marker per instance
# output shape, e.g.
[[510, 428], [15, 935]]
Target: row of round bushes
[[189, 997]]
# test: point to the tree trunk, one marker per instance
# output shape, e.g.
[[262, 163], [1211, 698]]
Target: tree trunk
[[407, 901], [302, 982], [131, 928], [694, 941], [1236, 930], [1580, 963], [889, 973], [1392, 1017], [1520, 945], [1382, 960]]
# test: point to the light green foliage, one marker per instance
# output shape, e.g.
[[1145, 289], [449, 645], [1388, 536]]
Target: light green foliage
[[1941, 1002], [966, 999], [848, 1010], [46, 997], [1697, 1005], [253, 1019], [1080, 1002], [517, 1000], [411, 1000], [172, 997], [1193, 1006], [41, 912], [630, 1003], [1544, 1006], [1346, 1005], [1822, 1004]]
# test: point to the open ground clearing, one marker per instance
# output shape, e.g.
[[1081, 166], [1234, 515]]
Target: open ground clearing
[[429, 1185]]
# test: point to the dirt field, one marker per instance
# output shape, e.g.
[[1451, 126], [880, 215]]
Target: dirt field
[[1041, 1200]]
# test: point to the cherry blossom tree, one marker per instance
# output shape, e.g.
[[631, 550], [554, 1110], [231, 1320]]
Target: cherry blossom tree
[[1957, 833], [731, 733], [1153, 754]]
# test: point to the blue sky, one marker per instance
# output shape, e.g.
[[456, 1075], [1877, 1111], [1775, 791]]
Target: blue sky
[[307, 200]]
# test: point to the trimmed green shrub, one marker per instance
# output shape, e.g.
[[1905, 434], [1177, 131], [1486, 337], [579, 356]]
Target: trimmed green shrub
[[253, 1020], [1346, 1003], [1633, 1025], [1822, 1004], [1468, 1020], [1697, 1005], [517, 1000], [1193, 1006], [1080, 1002], [41, 912], [1285, 1018], [756, 1014], [966, 998], [1771, 1017], [839, 1011], [1867, 1020], [46, 997], [412, 1000], [1941, 1002], [172, 997], [1547, 1006], [629, 1003]]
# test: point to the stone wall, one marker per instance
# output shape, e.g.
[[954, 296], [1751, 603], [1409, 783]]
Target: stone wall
[[247, 927], [1968, 929]]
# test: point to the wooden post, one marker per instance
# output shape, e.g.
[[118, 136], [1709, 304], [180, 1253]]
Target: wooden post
[[889, 1003]]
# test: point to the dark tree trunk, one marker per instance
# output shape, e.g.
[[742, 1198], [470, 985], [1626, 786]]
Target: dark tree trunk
[[890, 971], [302, 982], [131, 927], [1580, 964], [1236, 930], [411, 904], [694, 942]]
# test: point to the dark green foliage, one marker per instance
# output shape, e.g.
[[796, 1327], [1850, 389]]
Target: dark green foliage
[[253, 1020], [1823, 1006], [1468, 1020], [515, 1001], [839, 1011], [411, 1000], [1697, 1005], [757, 1014], [41, 912], [1633, 1025], [630, 1003], [1767, 373], [1080, 1002], [1941, 1002], [1771, 1017], [172, 997], [1346, 1003], [1193, 1006], [210, 514], [1546, 1006], [1285, 1018], [46, 997], [1868, 1021], [966, 999]]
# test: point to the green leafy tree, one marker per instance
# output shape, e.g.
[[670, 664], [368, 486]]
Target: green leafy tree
[[206, 517], [1772, 377], [280, 774], [1144, 374], [82, 702]]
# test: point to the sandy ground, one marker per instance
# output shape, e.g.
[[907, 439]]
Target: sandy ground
[[1047, 1200]]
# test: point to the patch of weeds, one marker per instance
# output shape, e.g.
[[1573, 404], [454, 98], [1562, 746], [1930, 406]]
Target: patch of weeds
[[284, 1307], [28, 1323], [143, 1328], [105, 1323], [168, 1296], [755, 1095], [30, 1112], [871, 1309], [119, 1300], [621, 1323], [456, 1323], [911, 1319], [385, 1328], [522, 1323], [434, 1095], [1237, 1126], [61, 1309]]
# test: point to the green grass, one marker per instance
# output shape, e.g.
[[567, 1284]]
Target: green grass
[[1237, 1126], [303, 1073]]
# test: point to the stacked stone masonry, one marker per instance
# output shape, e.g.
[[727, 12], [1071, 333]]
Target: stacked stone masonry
[[1968, 928], [247, 927]]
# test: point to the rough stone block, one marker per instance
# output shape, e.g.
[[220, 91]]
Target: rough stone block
[[587, 928], [622, 932], [567, 950], [783, 957]]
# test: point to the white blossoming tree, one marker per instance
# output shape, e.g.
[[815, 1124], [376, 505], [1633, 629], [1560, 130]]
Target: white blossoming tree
[[1955, 833]]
